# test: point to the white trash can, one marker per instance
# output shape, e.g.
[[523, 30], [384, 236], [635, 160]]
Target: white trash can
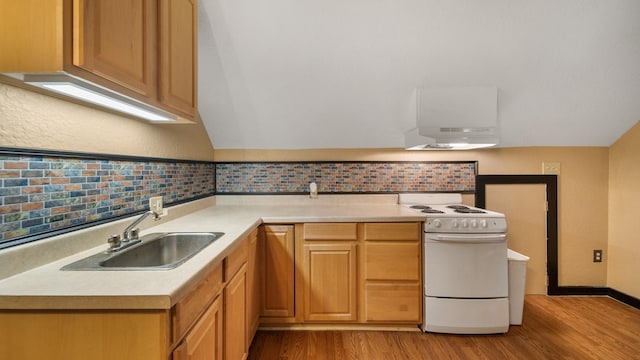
[[517, 280]]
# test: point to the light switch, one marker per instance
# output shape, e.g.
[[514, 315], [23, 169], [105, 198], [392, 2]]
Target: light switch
[[551, 168]]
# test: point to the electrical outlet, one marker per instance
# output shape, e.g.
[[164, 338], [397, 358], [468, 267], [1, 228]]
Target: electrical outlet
[[551, 168], [155, 204], [597, 255]]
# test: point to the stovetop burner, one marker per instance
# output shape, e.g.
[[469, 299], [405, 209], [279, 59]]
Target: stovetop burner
[[458, 207], [426, 209], [432, 211], [467, 210], [420, 207]]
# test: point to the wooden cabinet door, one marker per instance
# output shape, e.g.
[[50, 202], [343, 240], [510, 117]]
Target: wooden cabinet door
[[84, 334], [186, 312], [204, 341], [278, 271], [179, 55], [235, 314], [330, 282], [253, 287], [116, 40]]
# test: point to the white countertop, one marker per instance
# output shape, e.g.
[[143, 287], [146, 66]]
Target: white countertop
[[47, 287]]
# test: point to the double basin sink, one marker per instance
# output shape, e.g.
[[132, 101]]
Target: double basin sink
[[157, 251]]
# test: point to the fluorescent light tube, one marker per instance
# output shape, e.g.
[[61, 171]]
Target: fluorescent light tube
[[102, 100], [91, 93]]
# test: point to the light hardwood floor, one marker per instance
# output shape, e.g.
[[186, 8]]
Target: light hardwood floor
[[553, 328]]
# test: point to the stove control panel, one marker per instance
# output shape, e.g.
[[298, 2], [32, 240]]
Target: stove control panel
[[465, 225]]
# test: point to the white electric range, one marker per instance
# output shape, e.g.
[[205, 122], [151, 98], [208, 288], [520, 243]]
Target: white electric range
[[465, 264]]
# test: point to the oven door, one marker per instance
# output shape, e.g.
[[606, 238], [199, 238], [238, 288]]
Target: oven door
[[466, 265]]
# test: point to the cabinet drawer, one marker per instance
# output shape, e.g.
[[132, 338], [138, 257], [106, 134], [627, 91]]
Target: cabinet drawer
[[330, 231], [189, 308], [392, 302], [236, 259], [392, 231], [204, 341], [392, 261]]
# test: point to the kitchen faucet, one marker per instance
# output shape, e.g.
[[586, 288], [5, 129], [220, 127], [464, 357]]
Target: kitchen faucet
[[130, 234]]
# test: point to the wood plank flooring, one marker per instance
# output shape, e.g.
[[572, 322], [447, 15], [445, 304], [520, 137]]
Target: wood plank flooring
[[553, 328]]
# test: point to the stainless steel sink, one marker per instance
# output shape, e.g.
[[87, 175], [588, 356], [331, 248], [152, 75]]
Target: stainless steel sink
[[157, 251]]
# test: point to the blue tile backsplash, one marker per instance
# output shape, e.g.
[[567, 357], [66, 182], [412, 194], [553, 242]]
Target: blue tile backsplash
[[45, 193], [40, 194], [344, 177]]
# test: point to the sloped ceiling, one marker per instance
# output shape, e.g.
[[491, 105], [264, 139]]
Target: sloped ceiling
[[300, 74]]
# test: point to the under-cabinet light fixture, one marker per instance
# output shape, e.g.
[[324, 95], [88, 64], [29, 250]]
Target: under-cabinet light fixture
[[94, 94]]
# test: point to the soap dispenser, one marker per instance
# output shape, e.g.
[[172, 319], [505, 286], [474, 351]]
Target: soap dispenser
[[313, 190]]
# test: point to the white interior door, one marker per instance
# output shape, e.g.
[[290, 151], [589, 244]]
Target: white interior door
[[525, 208]]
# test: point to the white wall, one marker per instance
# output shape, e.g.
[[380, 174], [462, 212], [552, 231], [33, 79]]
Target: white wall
[[332, 74]]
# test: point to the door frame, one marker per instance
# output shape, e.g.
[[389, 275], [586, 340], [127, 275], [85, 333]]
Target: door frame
[[551, 182]]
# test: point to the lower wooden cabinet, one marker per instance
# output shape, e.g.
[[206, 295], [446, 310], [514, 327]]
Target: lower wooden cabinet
[[187, 311], [210, 322], [253, 287], [278, 272], [392, 273], [330, 282], [392, 302], [205, 340], [359, 272], [197, 320], [325, 273], [329, 272], [84, 334], [235, 314], [392, 260]]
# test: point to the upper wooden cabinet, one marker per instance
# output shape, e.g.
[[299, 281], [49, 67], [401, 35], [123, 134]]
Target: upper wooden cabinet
[[116, 40], [31, 35], [179, 55], [142, 49]]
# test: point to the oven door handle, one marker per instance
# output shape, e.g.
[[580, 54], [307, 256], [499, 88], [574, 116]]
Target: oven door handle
[[474, 239]]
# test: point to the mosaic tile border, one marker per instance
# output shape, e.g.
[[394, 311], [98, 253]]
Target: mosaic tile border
[[45, 193], [345, 177]]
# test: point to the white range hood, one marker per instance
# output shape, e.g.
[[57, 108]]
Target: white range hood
[[454, 118]]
